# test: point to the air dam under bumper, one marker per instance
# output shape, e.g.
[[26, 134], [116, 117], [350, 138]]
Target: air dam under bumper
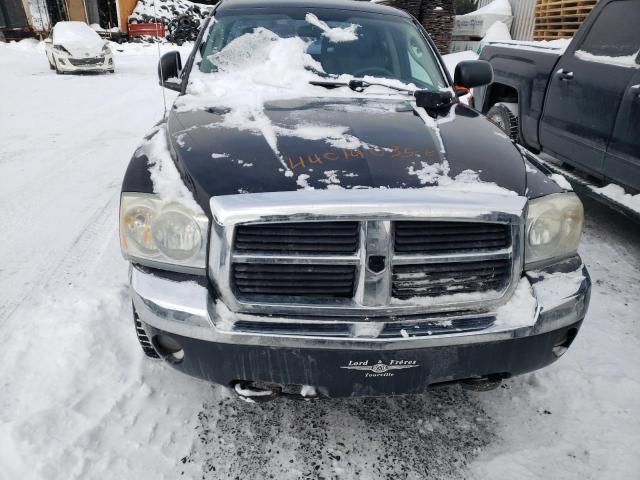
[[340, 367]]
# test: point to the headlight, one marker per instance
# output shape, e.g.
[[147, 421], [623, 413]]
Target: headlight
[[106, 49], [554, 228], [163, 235], [61, 49]]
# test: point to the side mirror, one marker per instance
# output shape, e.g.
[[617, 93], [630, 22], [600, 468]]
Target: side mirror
[[473, 73], [169, 68]]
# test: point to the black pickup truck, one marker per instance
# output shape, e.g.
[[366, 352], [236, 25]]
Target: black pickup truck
[[319, 215], [580, 105]]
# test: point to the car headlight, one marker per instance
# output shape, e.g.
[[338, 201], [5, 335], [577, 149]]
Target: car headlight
[[554, 228], [162, 235], [106, 49], [61, 49]]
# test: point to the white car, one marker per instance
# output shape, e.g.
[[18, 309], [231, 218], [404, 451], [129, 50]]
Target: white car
[[76, 47]]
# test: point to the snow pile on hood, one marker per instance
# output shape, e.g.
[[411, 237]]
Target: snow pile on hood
[[166, 179], [163, 11], [77, 35], [561, 181], [621, 61], [336, 34], [465, 181]]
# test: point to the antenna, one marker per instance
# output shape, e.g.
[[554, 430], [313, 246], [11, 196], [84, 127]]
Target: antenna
[[164, 97]]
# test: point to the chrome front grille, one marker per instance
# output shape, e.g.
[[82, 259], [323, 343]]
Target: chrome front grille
[[365, 254]]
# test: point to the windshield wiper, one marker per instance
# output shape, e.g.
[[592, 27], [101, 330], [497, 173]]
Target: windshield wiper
[[428, 99], [358, 85]]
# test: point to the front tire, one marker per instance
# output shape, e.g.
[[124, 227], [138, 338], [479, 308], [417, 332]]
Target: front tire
[[144, 341], [505, 116]]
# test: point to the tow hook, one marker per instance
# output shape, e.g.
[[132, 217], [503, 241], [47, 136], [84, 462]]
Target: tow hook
[[247, 392], [481, 384], [260, 393]]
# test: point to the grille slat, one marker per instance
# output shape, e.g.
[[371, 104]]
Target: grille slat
[[293, 268], [431, 268], [425, 237], [293, 280], [299, 238]]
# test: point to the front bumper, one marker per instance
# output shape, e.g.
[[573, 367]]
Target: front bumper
[[67, 63], [360, 365]]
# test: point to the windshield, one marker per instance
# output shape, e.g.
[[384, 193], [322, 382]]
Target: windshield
[[341, 42]]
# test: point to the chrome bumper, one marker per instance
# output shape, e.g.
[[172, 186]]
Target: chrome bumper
[[186, 308]]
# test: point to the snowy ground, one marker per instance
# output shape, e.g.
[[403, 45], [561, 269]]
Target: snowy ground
[[80, 401]]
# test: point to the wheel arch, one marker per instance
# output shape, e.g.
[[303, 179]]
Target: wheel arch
[[500, 92]]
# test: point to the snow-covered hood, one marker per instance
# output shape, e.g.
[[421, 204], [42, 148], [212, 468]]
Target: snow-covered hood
[[342, 143], [77, 49], [77, 38]]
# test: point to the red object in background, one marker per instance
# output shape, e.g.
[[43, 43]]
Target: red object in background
[[148, 29]]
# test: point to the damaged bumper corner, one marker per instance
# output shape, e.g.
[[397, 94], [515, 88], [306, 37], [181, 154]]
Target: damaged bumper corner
[[216, 350]]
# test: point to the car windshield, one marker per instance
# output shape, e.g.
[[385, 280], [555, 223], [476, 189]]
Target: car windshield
[[341, 42]]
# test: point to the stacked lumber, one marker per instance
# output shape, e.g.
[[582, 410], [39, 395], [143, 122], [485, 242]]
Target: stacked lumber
[[560, 18], [435, 15]]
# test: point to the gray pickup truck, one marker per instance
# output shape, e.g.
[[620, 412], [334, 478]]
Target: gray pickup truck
[[580, 105]]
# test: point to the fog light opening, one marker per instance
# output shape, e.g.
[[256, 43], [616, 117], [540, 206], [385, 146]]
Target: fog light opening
[[561, 348], [168, 348]]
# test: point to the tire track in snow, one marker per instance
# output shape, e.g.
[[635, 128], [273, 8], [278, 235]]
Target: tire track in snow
[[72, 265]]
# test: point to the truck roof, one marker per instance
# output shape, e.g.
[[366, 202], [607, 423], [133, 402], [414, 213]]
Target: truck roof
[[357, 5]]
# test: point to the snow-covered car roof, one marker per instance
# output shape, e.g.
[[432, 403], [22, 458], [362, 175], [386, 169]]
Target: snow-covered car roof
[[77, 33]]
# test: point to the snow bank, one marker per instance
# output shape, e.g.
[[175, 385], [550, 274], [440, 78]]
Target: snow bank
[[336, 34], [477, 23], [622, 61], [30, 45], [497, 32], [497, 7], [617, 193]]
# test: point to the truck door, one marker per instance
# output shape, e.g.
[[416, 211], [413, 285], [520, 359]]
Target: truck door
[[622, 163], [587, 86]]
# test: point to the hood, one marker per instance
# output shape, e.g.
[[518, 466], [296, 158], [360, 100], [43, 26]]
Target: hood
[[341, 143], [79, 49], [77, 37]]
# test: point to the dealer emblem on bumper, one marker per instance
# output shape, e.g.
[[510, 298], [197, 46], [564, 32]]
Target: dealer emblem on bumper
[[381, 369]]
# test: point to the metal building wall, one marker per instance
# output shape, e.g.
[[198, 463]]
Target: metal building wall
[[523, 18]]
